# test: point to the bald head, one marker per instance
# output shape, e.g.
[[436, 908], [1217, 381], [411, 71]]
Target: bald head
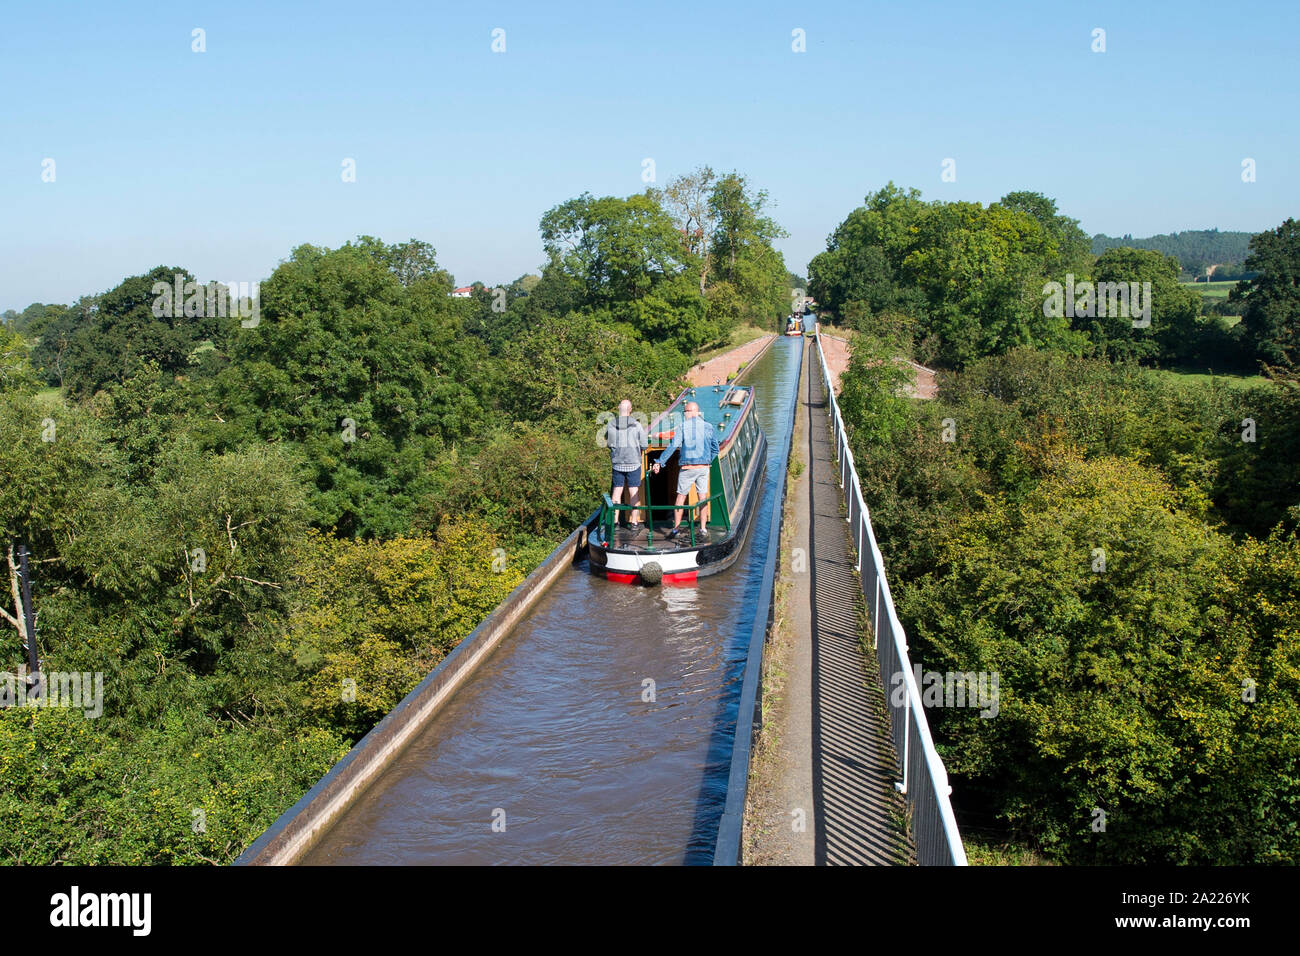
[[692, 408], [625, 407]]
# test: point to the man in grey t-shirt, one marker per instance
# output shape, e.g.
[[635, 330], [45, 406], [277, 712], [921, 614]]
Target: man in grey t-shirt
[[627, 440]]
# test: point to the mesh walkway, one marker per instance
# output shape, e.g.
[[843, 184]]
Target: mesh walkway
[[859, 814]]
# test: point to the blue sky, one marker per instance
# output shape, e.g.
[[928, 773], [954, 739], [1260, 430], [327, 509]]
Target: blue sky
[[221, 162]]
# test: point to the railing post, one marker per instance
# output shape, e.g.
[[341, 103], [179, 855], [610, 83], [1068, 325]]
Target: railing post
[[28, 615], [875, 613], [862, 532], [907, 732]]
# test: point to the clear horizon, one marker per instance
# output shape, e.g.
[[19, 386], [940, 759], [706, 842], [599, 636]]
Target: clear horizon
[[223, 161]]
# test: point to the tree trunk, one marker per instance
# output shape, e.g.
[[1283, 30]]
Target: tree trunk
[[19, 618]]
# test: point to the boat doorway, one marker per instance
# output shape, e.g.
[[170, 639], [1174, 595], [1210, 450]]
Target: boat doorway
[[661, 489]]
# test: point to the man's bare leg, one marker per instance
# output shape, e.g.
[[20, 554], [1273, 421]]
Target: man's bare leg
[[677, 515]]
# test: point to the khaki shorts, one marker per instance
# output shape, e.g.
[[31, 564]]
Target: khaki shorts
[[699, 477]]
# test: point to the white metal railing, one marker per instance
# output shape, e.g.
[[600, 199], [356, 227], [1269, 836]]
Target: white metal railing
[[925, 782]]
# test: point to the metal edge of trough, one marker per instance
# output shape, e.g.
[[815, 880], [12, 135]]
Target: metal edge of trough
[[727, 849], [299, 827]]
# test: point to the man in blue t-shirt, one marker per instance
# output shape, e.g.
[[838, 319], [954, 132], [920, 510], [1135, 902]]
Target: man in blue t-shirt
[[699, 447]]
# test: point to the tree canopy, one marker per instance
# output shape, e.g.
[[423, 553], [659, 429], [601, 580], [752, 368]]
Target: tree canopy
[[959, 281], [1271, 321]]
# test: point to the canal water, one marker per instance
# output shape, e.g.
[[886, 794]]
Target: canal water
[[559, 749]]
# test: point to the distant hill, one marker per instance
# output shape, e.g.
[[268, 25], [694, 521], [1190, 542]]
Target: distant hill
[[1195, 249]]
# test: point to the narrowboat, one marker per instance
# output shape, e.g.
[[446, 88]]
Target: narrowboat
[[793, 325], [647, 554]]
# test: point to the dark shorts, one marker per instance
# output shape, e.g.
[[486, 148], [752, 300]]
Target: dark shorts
[[630, 478]]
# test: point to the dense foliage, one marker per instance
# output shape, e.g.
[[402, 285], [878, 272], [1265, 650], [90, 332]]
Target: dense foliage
[[1120, 548], [959, 279], [1272, 298], [954, 281]]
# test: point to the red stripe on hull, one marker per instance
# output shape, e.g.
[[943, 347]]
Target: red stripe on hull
[[621, 578], [680, 577]]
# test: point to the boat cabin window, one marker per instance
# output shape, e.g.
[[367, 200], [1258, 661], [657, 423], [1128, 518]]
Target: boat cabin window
[[745, 439]]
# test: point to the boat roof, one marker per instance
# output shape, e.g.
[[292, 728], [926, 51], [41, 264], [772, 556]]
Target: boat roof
[[719, 405]]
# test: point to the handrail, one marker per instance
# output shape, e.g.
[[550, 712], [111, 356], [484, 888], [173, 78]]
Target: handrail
[[925, 781], [609, 510]]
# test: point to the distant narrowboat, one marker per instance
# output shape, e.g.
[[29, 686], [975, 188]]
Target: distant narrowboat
[[647, 554]]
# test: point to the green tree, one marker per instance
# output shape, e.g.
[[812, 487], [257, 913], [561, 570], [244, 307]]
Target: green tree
[[1251, 812], [1071, 242], [864, 255], [1272, 317], [15, 365], [981, 270], [871, 394], [1257, 479], [1174, 310], [688, 199], [50, 348], [133, 324], [33, 319], [136, 798], [370, 377], [741, 251], [968, 278], [227, 522], [619, 249], [411, 261]]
